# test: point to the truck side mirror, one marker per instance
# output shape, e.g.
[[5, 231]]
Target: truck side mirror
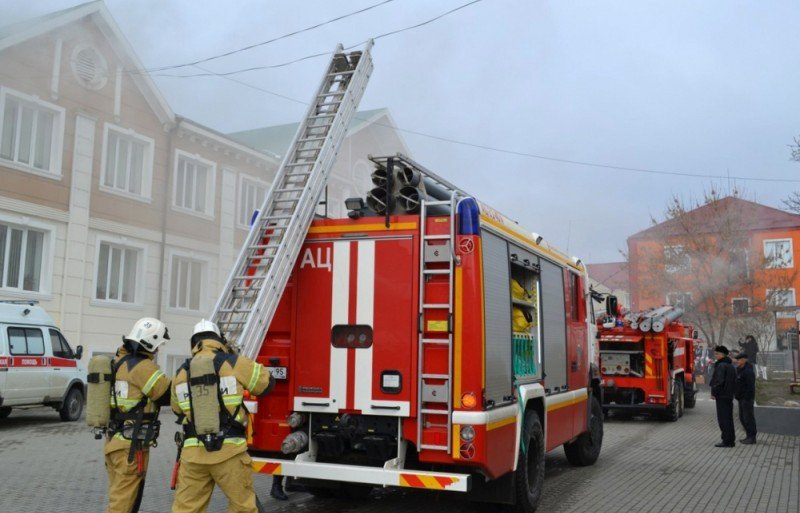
[[78, 352]]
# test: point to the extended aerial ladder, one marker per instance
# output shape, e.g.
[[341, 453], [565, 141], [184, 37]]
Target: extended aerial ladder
[[251, 294]]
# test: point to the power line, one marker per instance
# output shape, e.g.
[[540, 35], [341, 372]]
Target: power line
[[209, 73], [520, 153], [269, 41]]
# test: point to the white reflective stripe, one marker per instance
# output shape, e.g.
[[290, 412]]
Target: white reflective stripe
[[301, 467], [254, 376], [340, 306], [365, 303], [480, 418]]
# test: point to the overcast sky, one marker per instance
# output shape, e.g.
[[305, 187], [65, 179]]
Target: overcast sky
[[705, 87]]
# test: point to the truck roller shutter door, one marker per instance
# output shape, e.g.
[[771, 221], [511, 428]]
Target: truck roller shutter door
[[497, 308], [554, 326]]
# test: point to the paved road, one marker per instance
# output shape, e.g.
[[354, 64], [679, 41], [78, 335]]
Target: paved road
[[646, 465]]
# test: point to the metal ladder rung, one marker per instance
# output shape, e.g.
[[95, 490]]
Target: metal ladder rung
[[243, 278], [436, 376], [434, 447], [234, 310], [437, 203], [311, 139], [263, 246], [278, 217], [319, 116], [431, 411], [437, 237], [289, 190], [296, 164], [436, 271], [436, 341], [436, 305], [335, 73]]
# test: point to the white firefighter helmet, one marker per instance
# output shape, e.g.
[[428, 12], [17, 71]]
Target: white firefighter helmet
[[149, 333], [206, 329]]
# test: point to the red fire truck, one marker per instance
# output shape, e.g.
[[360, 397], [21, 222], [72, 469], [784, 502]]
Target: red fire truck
[[437, 345], [647, 361]]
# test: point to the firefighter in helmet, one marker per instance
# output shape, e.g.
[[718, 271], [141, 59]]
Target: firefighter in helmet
[[139, 389], [207, 396]]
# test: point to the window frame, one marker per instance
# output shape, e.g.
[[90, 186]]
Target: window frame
[[147, 163], [141, 273], [670, 268], [791, 253], [733, 305], [209, 211], [205, 266], [57, 137], [56, 335], [685, 296], [25, 330], [239, 200], [48, 244]]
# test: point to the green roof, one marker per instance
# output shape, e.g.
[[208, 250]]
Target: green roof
[[276, 139]]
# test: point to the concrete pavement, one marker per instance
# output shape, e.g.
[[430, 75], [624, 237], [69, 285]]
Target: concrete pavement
[[646, 465]]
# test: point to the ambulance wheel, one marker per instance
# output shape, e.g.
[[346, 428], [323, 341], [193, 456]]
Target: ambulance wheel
[[5, 411], [529, 477], [586, 449], [73, 406]]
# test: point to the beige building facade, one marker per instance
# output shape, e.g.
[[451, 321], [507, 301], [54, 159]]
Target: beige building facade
[[112, 207]]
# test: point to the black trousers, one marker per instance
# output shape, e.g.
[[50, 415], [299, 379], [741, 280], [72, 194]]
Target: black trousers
[[747, 417], [725, 420]]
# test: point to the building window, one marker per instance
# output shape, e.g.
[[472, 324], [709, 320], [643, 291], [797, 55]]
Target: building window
[[31, 132], [782, 300], [676, 260], [739, 265], [127, 163], [117, 273], [778, 253], [740, 305], [186, 283], [194, 185], [21, 258], [680, 299], [251, 198]]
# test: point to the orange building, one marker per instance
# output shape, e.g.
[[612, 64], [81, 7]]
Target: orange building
[[731, 255]]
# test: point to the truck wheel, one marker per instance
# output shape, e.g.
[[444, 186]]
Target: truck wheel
[[690, 396], [681, 396], [586, 449], [73, 406], [673, 412], [529, 476], [5, 411]]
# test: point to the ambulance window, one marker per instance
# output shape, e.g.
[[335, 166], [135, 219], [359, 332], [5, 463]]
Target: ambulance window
[[26, 341], [61, 348]]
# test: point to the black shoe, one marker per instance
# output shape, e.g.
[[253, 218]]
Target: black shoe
[[723, 444], [748, 441], [277, 493]]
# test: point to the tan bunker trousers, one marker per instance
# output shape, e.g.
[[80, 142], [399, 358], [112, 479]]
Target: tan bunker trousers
[[196, 483], [124, 485]]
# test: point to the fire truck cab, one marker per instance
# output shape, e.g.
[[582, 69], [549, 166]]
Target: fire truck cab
[[445, 349]]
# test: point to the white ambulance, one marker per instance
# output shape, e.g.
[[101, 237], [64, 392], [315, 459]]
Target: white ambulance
[[37, 365]]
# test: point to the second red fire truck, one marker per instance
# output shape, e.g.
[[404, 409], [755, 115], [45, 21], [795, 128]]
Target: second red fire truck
[[647, 361]]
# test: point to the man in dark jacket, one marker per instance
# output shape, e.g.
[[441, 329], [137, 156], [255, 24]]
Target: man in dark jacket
[[745, 393], [723, 385], [750, 347]]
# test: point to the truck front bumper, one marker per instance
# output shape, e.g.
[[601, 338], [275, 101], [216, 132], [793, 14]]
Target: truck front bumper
[[377, 476]]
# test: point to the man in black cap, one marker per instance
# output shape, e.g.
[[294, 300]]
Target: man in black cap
[[723, 385], [746, 394]]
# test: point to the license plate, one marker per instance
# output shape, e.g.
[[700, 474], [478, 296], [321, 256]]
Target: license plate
[[277, 372]]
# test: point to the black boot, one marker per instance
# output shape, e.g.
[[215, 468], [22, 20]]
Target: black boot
[[276, 492]]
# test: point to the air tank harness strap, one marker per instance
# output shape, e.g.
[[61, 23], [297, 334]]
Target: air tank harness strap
[[229, 426]]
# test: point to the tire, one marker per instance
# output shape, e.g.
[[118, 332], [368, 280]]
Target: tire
[[681, 396], [529, 477], [586, 449], [5, 411], [73, 406], [690, 396], [673, 412]]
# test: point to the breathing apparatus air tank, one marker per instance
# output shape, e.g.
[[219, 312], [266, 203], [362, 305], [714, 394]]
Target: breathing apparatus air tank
[[98, 400], [203, 386]]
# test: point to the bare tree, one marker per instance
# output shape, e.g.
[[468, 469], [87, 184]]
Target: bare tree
[[792, 203], [701, 257]]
